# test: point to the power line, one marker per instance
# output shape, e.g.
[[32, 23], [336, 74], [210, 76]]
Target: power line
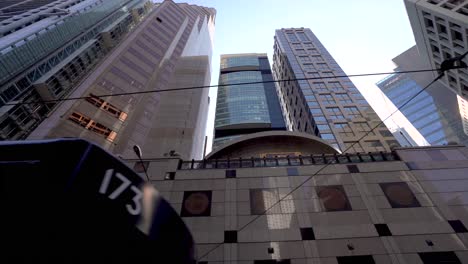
[[331, 161], [216, 85]]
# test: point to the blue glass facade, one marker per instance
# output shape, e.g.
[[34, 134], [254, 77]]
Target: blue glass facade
[[422, 111], [249, 108], [434, 112]]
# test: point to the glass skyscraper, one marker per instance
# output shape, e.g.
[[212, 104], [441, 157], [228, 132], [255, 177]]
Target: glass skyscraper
[[326, 106], [250, 108], [434, 111]]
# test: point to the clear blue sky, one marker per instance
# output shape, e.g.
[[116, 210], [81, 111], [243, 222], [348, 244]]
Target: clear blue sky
[[362, 35]]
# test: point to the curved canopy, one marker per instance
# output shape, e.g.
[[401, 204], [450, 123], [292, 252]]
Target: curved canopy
[[273, 143]]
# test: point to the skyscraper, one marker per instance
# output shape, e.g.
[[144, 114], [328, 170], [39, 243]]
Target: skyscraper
[[171, 48], [245, 109], [48, 47], [434, 112], [331, 108], [440, 29]]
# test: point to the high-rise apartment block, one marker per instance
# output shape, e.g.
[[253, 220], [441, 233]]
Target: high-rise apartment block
[[48, 47], [331, 108], [170, 48], [434, 112], [250, 108]]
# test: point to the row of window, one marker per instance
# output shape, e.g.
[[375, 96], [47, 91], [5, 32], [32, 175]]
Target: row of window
[[92, 125], [106, 107], [335, 112], [333, 198]]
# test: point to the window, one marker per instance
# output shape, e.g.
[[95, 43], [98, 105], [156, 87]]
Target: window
[[327, 99], [9, 93], [456, 35], [344, 98], [319, 119], [362, 101], [322, 66], [316, 111], [335, 113], [374, 143], [314, 74], [292, 37], [327, 74], [344, 129], [297, 45], [333, 198], [323, 127], [107, 107], [305, 59], [313, 51], [302, 36], [399, 195], [393, 143], [363, 127], [304, 84], [442, 28], [308, 45], [310, 98], [308, 67], [327, 136], [313, 103], [301, 51], [92, 125], [317, 58], [320, 86], [386, 133], [352, 112], [343, 126], [335, 85], [307, 91]]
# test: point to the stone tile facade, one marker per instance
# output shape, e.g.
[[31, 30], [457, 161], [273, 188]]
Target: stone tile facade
[[401, 211]]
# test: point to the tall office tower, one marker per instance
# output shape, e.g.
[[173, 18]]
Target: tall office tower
[[440, 29], [48, 47], [331, 108], [171, 48], [434, 112], [245, 109]]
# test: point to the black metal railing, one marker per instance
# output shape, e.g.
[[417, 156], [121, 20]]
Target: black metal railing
[[288, 161]]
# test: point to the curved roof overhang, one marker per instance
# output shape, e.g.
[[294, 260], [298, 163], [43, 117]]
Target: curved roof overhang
[[260, 143]]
